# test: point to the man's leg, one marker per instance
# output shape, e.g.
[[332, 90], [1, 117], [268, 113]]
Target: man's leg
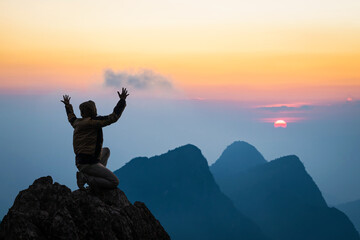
[[95, 175], [81, 177], [80, 180], [100, 177], [104, 156]]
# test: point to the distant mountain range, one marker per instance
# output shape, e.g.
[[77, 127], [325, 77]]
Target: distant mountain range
[[275, 200], [181, 192], [279, 196], [352, 210]]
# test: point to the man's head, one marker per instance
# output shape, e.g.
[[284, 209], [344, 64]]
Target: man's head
[[88, 109]]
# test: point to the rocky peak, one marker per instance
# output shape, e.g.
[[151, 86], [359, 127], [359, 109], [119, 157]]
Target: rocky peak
[[48, 210], [237, 157]]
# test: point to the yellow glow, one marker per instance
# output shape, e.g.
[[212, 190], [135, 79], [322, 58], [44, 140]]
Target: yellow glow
[[263, 53]]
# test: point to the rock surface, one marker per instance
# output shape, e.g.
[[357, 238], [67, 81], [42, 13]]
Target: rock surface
[[48, 210]]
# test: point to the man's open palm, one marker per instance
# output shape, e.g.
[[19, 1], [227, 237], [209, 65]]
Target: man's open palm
[[124, 94], [66, 100]]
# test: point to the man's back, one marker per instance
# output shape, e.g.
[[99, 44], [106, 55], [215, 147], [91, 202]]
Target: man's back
[[91, 158], [88, 136]]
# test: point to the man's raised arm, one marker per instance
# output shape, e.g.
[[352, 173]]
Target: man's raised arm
[[120, 106], [69, 109], [102, 121]]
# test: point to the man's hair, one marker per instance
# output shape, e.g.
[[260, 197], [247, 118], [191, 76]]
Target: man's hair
[[88, 109]]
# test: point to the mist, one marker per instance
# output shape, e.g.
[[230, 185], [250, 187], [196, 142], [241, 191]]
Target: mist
[[36, 138]]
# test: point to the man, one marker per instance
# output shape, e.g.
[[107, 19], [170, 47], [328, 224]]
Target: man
[[91, 158]]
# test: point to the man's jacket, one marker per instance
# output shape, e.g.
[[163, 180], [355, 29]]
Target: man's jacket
[[88, 135]]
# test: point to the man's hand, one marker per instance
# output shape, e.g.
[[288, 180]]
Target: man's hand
[[66, 100], [124, 94]]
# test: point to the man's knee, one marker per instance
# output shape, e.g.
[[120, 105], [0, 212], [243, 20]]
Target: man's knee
[[112, 180], [115, 182]]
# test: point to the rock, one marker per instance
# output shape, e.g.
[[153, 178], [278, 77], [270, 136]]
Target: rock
[[48, 210]]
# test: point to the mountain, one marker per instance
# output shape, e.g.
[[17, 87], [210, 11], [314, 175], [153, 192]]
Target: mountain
[[181, 192], [240, 156], [48, 210], [352, 210], [282, 198]]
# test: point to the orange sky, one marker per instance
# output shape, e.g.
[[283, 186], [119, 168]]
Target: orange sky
[[263, 55]]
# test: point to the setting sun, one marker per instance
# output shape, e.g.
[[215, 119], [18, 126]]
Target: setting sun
[[280, 123]]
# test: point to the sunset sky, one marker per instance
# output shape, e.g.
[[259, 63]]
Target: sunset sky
[[201, 72], [224, 50]]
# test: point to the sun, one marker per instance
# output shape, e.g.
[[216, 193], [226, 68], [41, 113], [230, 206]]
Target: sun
[[280, 123]]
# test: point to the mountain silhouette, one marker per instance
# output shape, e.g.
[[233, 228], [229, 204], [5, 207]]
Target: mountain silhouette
[[240, 156], [48, 210], [352, 210], [282, 198], [181, 192]]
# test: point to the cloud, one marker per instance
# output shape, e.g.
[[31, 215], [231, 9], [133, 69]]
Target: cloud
[[286, 119], [285, 108], [144, 79]]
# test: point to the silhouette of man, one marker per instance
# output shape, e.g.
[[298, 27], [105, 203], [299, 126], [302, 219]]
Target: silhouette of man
[[91, 158]]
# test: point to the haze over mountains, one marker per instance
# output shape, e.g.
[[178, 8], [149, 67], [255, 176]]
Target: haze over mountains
[[352, 210], [333, 163], [281, 199], [180, 191], [280, 196]]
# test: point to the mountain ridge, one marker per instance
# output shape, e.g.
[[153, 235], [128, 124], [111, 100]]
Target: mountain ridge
[[283, 199], [238, 157], [352, 210], [180, 190]]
